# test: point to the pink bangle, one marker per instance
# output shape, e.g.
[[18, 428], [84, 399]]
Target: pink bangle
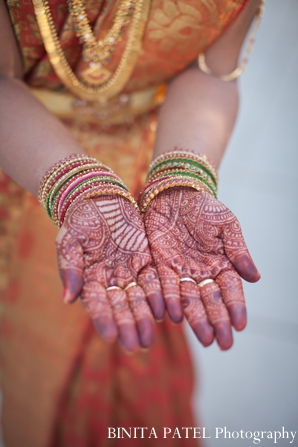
[[67, 183], [146, 188], [79, 180], [66, 205], [56, 166], [60, 169], [98, 191]]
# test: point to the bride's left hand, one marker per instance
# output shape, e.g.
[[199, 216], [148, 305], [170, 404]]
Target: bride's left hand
[[193, 235]]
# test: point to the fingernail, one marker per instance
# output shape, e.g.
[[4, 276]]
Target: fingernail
[[176, 318], [157, 305], [175, 323], [246, 268], [238, 317], [224, 337], [146, 333], [175, 311], [204, 333], [128, 338], [66, 296]]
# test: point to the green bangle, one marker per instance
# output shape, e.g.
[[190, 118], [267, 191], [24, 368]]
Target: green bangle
[[191, 173], [187, 155], [182, 163], [52, 202], [51, 205], [212, 188]]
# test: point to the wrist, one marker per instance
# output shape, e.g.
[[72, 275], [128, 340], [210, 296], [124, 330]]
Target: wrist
[[76, 178], [178, 168]]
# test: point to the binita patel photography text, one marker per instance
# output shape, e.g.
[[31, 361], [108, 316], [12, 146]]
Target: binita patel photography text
[[202, 433]]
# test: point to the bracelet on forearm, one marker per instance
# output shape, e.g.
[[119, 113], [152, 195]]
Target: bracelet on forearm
[[186, 159], [191, 174], [75, 178], [178, 168], [59, 169], [59, 194]]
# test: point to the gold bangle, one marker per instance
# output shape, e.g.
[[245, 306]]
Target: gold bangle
[[145, 194], [112, 190], [56, 168], [241, 67], [64, 178], [228, 77], [93, 182], [99, 191], [45, 184], [182, 153], [178, 173], [171, 183], [81, 193]]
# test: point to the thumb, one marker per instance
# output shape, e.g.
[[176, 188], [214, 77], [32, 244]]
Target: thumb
[[70, 263], [237, 252], [73, 284], [245, 266]]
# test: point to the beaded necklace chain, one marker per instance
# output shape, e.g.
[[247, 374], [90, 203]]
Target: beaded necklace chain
[[98, 53], [104, 85]]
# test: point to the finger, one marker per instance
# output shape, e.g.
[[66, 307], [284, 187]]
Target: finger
[[232, 293], [94, 300], [70, 263], [142, 315], [237, 252], [171, 292], [195, 312], [148, 280], [128, 336], [218, 315]]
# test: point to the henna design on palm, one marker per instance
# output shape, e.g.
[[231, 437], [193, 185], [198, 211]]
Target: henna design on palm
[[102, 243], [192, 234]]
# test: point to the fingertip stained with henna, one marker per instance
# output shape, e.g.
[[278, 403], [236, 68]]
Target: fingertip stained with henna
[[246, 268], [103, 243], [205, 237]]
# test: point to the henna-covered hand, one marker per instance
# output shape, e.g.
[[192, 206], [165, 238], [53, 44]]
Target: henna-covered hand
[[102, 243], [193, 235]]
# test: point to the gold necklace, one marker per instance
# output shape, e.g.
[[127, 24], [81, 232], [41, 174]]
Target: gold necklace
[[116, 82], [98, 53]]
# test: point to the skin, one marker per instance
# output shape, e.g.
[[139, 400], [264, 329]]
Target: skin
[[102, 244], [193, 235], [198, 114], [210, 108]]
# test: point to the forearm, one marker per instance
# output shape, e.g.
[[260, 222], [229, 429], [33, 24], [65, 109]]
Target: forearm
[[199, 113], [32, 139]]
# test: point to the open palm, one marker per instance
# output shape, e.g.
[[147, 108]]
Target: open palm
[[102, 244], [194, 237]]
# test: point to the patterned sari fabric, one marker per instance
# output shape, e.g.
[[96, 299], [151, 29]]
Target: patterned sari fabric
[[62, 386]]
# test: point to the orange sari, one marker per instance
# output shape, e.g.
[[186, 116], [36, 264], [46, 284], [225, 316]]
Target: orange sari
[[62, 386]]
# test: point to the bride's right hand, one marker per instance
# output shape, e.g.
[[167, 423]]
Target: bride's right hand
[[101, 244]]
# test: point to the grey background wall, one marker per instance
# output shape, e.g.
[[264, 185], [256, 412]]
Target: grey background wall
[[254, 386]]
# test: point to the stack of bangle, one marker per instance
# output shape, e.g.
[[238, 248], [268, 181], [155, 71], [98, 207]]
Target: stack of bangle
[[178, 168], [76, 178]]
